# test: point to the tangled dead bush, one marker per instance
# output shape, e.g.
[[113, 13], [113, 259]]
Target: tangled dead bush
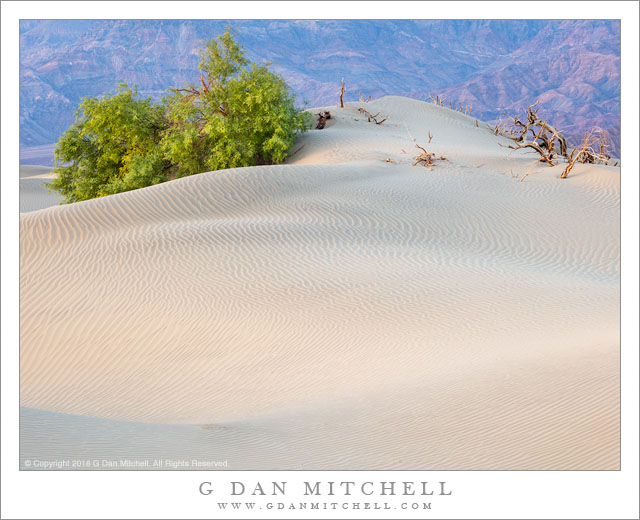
[[593, 150], [547, 141], [426, 158], [550, 144]]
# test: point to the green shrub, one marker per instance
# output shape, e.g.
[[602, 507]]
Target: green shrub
[[239, 114], [112, 147]]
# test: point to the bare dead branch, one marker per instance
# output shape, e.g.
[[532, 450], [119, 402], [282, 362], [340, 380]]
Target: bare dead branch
[[205, 87], [586, 153], [371, 117], [426, 158], [364, 100], [194, 93], [571, 163], [527, 174], [545, 155], [437, 100], [546, 133], [500, 128], [191, 90], [342, 90]]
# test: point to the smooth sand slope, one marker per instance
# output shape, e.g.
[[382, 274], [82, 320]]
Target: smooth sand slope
[[336, 312], [34, 194]]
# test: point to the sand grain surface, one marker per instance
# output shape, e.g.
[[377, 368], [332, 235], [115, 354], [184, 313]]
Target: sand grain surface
[[335, 312], [34, 194]]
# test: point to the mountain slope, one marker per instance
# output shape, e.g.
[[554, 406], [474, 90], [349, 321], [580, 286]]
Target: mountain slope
[[496, 65]]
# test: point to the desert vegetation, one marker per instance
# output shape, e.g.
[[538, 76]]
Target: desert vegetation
[[113, 146], [426, 158], [593, 149], [544, 136], [239, 114], [440, 101], [549, 143], [376, 118], [540, 136]]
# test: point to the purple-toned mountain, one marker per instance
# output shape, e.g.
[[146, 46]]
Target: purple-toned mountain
[[499, 66]]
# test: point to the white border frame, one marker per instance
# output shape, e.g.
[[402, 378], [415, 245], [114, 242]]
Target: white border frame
[[476, 494]]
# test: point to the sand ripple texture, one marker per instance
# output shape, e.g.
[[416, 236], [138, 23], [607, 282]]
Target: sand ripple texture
[[349, 314]]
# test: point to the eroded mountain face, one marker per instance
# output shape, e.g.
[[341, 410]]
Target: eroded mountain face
[[497, 66]]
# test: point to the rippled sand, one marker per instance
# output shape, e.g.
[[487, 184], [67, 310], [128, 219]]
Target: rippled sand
[[346, 310]]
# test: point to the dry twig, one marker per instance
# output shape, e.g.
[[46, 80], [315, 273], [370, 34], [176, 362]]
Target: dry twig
[[371, 117], [439, 100], [586, 153], [426, 158], [500, 128], [527, 174], [195, 94]]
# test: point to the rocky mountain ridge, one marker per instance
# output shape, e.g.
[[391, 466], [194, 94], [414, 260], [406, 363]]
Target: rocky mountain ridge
[[498, 66]]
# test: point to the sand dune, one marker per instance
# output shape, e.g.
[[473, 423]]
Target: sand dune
[[33, 191], [336, 312]]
